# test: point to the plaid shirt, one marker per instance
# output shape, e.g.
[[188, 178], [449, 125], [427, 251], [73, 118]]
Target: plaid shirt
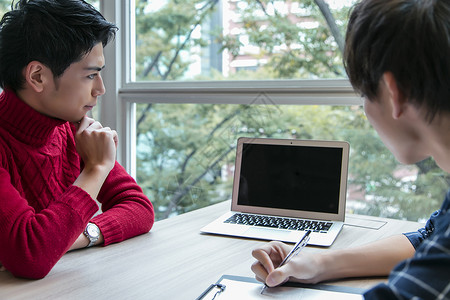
[[427, 274]]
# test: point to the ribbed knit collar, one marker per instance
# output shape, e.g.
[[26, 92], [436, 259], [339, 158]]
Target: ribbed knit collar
[[23, 122]]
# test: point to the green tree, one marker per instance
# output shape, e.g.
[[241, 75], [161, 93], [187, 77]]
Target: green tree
[[164, 34], [307, 52]]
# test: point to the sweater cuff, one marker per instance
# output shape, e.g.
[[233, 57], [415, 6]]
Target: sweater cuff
[[110, 229], [80, 201]]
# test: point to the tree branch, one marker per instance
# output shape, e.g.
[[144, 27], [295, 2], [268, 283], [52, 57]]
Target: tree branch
[[152, 64], [325, 10]]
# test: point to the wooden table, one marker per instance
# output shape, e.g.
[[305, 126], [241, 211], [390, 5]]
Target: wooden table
[[174, 261]]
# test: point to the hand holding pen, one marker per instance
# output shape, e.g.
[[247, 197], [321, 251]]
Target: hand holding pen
[[294, 251]]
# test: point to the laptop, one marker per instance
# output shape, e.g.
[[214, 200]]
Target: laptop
[[284, 187]]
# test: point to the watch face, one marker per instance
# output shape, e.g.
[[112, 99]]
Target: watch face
[[92, 230]]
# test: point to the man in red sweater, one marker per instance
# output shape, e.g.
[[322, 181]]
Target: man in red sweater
[[54, 161]]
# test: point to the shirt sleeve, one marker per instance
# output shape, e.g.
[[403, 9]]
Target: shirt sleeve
[[417, 237], [127, 212]]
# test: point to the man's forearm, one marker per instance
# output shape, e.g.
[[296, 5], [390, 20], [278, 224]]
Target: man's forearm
[[374, 259], [82, 241]]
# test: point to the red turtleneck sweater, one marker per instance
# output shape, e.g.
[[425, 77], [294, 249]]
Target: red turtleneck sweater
[[41, 212]]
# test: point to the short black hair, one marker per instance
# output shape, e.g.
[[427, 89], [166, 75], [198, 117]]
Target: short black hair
[[411, 39], [56, 33]]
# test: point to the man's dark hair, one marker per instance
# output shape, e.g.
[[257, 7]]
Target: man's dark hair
[[56, 33], [411, 39]]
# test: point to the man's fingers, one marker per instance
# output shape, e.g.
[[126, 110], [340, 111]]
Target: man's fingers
[[260, 272], [84, 123], [115, 138], [278, 276], [259, 279], [263, 257]]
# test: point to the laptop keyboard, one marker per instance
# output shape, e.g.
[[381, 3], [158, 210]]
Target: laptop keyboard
[[279, 222]]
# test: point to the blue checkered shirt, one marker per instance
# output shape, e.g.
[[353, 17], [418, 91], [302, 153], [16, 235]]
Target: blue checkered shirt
[[427, 274]]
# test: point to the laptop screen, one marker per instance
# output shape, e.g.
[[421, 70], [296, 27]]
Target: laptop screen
[[293, 177]]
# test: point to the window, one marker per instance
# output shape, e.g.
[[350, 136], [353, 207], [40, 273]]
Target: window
[[237, 39], [4, 6]]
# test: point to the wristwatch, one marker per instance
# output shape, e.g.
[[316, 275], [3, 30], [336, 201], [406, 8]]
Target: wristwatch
[[92, 232]]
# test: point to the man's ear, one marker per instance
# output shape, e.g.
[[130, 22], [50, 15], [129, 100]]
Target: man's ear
[[396, 97], [36, 75]]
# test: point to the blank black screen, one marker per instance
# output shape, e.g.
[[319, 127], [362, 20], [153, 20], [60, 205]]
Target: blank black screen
[[290, 177]]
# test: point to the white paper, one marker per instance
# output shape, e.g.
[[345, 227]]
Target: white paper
[[236, 289]]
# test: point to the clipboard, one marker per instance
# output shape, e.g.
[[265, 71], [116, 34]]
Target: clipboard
[[230, 287]]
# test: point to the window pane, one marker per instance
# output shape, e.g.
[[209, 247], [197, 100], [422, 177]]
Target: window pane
[[94, 3], [186, 152], [5, 5], [239, 39]]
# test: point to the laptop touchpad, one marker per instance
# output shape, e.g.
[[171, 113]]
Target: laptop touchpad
[[267, 233]]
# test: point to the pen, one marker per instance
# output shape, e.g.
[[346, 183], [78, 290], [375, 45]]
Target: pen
[[297, 248]]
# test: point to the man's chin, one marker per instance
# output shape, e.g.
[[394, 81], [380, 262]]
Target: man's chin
[[79, 120]]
